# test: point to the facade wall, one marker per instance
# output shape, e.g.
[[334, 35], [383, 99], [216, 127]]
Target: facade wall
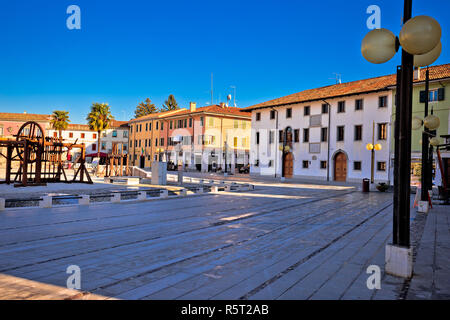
[[270, 157]]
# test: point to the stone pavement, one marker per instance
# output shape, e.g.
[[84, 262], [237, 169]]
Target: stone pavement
[[281, 241]]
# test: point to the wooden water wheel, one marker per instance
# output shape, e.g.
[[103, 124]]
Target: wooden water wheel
[[31, 132]]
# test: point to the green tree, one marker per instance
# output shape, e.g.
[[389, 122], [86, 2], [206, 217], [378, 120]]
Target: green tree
[[170, 104], [145, 108], [99, 120], [60, 121]]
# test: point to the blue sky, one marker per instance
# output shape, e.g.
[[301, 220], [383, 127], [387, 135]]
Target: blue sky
[[129, 50]]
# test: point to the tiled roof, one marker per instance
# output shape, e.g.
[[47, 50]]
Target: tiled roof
[[118, 124], [350, 88], [232, 111], [7, 116], [157, 115]]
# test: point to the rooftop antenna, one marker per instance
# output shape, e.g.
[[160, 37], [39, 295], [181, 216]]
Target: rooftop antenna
[[337, 78], [212, 90], [234, 95]]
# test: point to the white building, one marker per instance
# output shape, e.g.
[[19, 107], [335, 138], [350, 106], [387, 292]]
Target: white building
[[301, 123], [80, 133]]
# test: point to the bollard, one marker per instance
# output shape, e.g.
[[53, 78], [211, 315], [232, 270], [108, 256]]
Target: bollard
[[2, 204], [85, 200], [46, 202], [142, 195], [214, 189], [164, 193], [115, 198], [183, 192]]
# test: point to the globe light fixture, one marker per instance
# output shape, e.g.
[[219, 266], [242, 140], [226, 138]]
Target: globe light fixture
[[369, 146], [435, 141], [379, 46], [416, 123], [378, 147], [428, 58], [420, 35], [431, 122]]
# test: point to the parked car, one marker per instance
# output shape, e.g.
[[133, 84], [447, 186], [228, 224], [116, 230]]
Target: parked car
[[244, 169]]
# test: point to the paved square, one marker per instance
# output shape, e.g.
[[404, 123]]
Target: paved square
[[280, 241]]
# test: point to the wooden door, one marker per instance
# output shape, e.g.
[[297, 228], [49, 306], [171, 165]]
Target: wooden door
[[288, 165], [142, 164], [340, 167]]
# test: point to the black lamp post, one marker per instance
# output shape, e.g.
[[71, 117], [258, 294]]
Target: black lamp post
[[420, 41]]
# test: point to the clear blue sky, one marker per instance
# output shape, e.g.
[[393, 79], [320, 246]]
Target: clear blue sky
[[129, 50]]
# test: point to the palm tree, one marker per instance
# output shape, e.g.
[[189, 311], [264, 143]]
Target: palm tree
[[170, 104], [60, 121], [145, 108], [99, 120]]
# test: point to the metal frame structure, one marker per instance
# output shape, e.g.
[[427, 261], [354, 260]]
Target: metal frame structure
[[40, 158]]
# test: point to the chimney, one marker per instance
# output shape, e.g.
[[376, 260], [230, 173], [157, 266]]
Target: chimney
[[192, 106], [416, 73], [222, 104]]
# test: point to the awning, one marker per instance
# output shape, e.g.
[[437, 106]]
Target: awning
[[94, 155]]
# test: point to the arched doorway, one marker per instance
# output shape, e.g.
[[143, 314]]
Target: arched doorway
[[340, 167], [288, 165]]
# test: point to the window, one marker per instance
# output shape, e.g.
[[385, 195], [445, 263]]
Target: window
[[271, 137], [125, 147], [305, 164], [125, 134], [382, 101], [324, 134], [270, 163], [103, 145], [70, 134], [244, 124], [156, 142], [280, 136], [202, 121], [171, 125], [305, 135], [258, 116], [104, 134], [94, 147], [150, 126], [236, 124], [146, 143], [211, 122], [146, 126], [235, 142], [139, 143], [381, 166], [114, 133], [358, 133], [358, 104], [323, 164], [162, 125], [434, 95], [190, 122], [184, 124], [382, 131], [341, 107], [257, 137], [82, 135], [157, 124], [296, 135], [340, 133], [140, 128], [272, 114], [94, 136], [324, 108], [55, 134], [289, 113], [161, 142], [357, 165], [306, 110]]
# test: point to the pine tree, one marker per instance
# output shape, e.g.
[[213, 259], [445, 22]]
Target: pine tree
[[170, 104], [145, 108]]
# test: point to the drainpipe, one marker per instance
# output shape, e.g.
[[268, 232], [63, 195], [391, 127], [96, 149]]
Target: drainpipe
[[328, 138], [275, 139]]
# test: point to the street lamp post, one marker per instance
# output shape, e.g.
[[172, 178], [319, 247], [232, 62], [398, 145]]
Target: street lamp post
[[372, 147], [420, 41]]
